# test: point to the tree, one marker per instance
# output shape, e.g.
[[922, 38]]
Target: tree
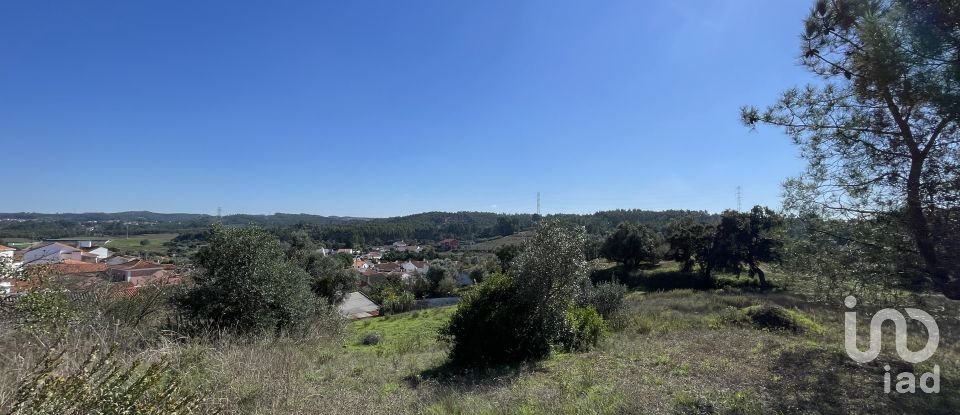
[[144, 242], [507, 225], [244, 283], [880, 131], [506, 254], [329, 280], [632, 244], [345, 259], [440, 271], [745, 239], [689, 242]]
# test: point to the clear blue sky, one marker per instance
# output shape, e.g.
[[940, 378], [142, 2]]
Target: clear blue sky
[[382, 108]]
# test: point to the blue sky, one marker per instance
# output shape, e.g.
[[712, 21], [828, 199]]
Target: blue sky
[[382, 108]]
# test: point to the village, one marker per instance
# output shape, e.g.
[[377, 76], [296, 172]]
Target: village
[[80, 263]]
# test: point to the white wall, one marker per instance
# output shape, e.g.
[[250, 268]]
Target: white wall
[[50, 254]]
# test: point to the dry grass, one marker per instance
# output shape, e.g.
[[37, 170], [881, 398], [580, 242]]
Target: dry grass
[[671, 352]]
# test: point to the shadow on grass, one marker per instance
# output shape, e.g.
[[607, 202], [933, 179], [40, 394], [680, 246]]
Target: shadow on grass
[[817, 380], [473, 378], [658, 279]]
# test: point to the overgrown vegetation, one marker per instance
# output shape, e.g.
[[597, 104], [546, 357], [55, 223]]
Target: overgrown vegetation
[[102, 385]]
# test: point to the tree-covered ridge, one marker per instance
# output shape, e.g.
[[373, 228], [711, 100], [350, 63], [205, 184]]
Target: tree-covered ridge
[[421, 227]]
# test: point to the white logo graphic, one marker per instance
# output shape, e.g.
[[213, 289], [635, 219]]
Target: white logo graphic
[[906, 381]]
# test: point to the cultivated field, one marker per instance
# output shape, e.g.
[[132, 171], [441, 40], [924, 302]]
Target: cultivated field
[[493, 244], [133, 244]]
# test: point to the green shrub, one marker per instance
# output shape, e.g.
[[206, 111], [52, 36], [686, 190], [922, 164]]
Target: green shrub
[[774, 317], [607, 298], [586, 327], [371, 339], [394, 302], [45, 311], [491, 326], [101, 385], [512, 319]]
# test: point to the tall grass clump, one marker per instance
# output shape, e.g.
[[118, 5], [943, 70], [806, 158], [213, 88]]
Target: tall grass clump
[[101, 385]]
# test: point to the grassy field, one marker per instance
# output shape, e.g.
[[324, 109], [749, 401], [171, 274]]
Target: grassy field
[[676, 351], [673, 352], [132, 244]]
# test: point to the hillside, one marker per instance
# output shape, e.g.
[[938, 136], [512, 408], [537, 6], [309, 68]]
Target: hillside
[[677, 352], [422, 227]]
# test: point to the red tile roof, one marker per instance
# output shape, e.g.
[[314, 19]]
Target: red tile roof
[[389, 266], [6, 248], [77, 267]]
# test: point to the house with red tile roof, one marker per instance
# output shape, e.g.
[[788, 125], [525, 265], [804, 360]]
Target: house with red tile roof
[[74, 267], [388, 267], [141, 272]]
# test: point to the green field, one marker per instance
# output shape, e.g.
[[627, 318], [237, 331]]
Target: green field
[[18, 243], [133, 243]]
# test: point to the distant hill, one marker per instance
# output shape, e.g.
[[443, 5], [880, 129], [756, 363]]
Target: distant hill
[[57, 225], [335, 230], [147, 216]]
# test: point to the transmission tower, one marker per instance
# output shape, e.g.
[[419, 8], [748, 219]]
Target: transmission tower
[[739, 198], [538, 204]]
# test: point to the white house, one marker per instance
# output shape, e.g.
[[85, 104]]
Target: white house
[[94, 254], [416, 267], [6, 261], [51, 253], [7, 252]]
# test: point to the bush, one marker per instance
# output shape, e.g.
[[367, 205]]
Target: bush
[[607, 298], [244, 284], [446, 287], [514, 319], [586, 327], [45, 311], [394, 302], [101, 385], [774, 317], [371, 339], [490, 327]]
